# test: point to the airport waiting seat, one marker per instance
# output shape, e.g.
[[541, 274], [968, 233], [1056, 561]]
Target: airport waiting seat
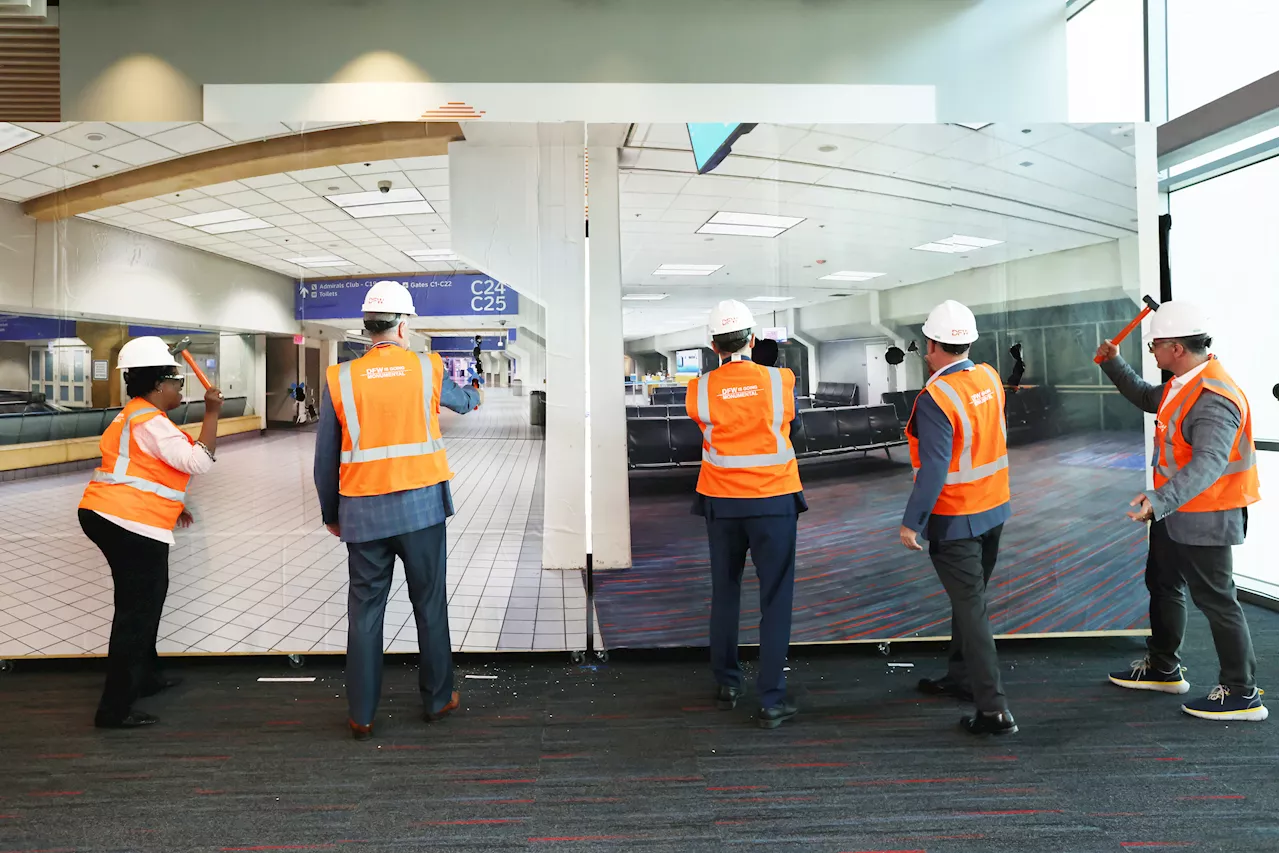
[[35, 427], [886, 427], [649, 441], [803, 403], [821, 430], [652, 412], [831, 394], [853, 425], [233, 407], [902, 402], [633, 412], [669, 396], [10, 428], [686, 441], [195, 412], [799, 438]]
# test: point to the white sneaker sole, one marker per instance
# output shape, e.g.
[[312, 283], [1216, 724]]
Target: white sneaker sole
[[1178, 687], [1253, 714]]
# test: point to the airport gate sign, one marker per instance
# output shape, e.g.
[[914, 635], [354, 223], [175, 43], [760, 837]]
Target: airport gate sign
[[457, 295]]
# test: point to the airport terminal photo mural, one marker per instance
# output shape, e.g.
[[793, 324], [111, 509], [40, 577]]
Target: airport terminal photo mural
[[1070, 561]]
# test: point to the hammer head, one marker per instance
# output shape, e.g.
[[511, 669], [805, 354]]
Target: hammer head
[[1151, 303], [180, 346]]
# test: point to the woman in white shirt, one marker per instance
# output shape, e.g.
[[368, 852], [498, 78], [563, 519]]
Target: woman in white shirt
[[130, 507]]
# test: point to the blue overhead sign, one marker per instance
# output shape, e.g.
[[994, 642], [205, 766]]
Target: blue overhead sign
[[14, 327], [467, 344], [162, 331], [433, 296]]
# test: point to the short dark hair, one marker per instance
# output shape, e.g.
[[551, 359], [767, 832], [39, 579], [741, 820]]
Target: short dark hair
[[952, 349], [1195, 344], [731, 342], [141, 381], [377, 323]]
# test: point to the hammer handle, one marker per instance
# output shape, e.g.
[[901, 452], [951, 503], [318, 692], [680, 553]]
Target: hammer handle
[[195, 368], [1124, 333]]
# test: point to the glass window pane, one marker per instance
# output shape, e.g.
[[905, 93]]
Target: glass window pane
[[1105, 77], [64, 393], [1215, 48], [48, 366], [78, 394], [48, 392], [78, 374], [1223, 256], [64, 365], [35, 365]]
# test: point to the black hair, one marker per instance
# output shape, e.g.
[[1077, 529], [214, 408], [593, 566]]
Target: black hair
[[765, 352], [1196, 344], [378, 323], [141, 381], [953, 349], [731, 342]]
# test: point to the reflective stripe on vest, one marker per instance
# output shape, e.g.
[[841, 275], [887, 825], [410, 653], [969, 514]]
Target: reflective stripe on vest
[[711, 456], [119, 474], [967, 472], [393, 451], [1174, 422]]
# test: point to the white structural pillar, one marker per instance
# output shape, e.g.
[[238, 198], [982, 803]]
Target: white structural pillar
[[610, 503], [517, 196]]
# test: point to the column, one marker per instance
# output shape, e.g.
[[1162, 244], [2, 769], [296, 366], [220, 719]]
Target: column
[[610, 503]]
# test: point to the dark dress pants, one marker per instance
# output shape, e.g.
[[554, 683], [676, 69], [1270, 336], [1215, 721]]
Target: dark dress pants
[[964, 566]]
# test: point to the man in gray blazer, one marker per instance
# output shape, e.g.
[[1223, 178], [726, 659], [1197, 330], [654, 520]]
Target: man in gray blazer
[[1205, 477]]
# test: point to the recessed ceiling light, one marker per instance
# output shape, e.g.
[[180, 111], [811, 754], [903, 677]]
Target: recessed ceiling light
[[771, 299], [238, 225], [402, 208], [749, 224], [11, 136], [375, 197], [201, 219], [957, 244], [687, 269], [432, 254], [976, 125], [827, 149], [1025, 163], [95, 137], [644, 297], [849, 275]]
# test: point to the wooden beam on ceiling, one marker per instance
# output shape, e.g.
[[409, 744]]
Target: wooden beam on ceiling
[[337, 146]]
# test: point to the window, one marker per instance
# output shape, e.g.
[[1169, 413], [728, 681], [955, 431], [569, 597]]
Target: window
[[1223, 256], [1105, 77], [1215, 48]]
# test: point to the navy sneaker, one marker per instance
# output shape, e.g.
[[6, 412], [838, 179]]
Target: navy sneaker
[[1141, 675], [1222, 704]]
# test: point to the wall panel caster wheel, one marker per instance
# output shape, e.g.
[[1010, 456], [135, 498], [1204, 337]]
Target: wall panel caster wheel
[[297, 661], [602, 656], [883, 649], [578, 657], [6, 666]]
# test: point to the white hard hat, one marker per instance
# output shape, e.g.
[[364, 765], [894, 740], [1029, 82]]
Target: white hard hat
[[145, 352], [729, 316], [1177, 319], [388, 297], [951, 323]]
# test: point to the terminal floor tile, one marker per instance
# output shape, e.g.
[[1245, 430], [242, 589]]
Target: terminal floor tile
[[633, 756], [258, 572]]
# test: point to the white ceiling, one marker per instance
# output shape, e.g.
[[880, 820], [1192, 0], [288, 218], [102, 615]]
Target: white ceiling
[[868, 194], [873, 194]]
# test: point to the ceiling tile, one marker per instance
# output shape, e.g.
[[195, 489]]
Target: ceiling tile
[[21, 190], [644, 182], [346, 226], [928, 138], [95, 165], [435, 194], [46, 128], [148, 128], [50, 151], [203, 205], [140, 204], [107, 135], [371, 168], [428, 178], [287, 219], [370, 182], [324, 173], [131, 219], [269, 209], [247, 132], [264, 181], [223, 188], [330, 214], [334, 186], [439, 161], [881, 158], [13, 166], [308, 205], [168, 211], [287, 192], [244, 197], [181, 197], [190, 138], [140, 152]]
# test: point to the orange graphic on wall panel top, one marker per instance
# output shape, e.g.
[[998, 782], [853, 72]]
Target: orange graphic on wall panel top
[[452, 111]]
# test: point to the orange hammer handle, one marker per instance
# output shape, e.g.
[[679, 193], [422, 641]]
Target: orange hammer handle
[[191, 362], [1124, 333]]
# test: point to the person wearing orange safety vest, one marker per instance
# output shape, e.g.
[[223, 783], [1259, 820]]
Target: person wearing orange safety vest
[[133, 501], [383, 481], [749, 492], [1205, 476], [960, 503]]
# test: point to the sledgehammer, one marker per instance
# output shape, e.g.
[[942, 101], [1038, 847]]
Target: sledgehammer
[[1152, 305], [181, 347]]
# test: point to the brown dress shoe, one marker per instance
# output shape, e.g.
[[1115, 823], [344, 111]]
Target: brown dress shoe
[[437, 716]]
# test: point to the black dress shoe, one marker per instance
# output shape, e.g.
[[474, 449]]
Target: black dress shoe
[[154, 686], [944, 687], [984, 723], [772, 717], [727, 697], [132, 720]]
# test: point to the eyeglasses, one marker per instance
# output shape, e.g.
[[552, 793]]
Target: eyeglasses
[[1151, 345], [176, 377]]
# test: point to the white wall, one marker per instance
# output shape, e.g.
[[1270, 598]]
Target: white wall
[[845, 361], [77, 268], [15, 366]]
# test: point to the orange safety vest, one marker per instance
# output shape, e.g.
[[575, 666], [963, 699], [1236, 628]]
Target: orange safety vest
[[744, 411], [1238, 485], [978, 477], [130, 483], [388, 402]]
